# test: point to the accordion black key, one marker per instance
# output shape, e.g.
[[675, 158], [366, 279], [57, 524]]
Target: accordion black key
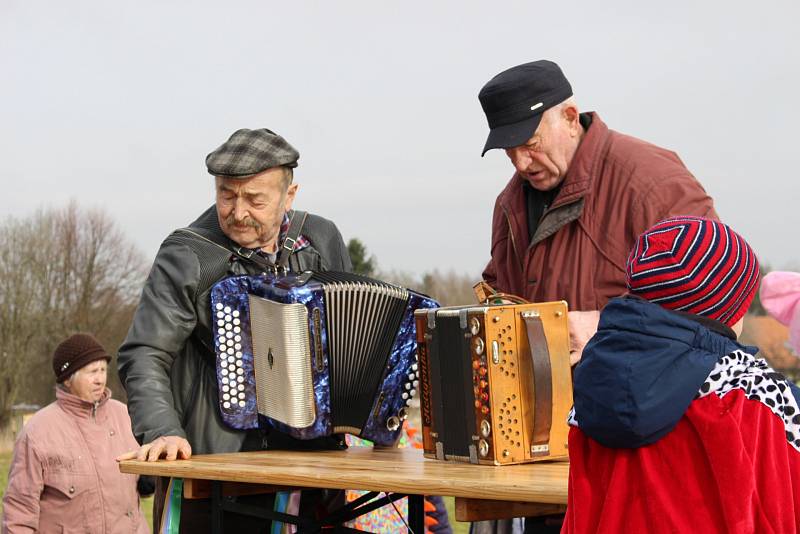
[[316, 353]]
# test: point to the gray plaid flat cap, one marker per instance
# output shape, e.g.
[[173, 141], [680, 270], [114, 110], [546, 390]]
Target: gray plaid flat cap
[[250, 152]]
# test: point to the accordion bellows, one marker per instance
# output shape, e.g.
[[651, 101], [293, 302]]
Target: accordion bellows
[[316, 353]]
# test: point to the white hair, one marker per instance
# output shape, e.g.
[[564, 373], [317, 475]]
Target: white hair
[[557, 111]]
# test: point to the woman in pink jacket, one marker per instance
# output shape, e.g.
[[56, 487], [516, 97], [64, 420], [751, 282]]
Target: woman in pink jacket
[[64, 476], [780, 296]]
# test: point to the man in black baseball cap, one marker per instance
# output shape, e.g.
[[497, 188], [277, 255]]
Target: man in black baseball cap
[[580, 195], [515, 100]]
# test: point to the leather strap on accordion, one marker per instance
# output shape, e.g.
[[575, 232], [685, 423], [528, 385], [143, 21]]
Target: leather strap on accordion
[[542, 380], [292, 234]]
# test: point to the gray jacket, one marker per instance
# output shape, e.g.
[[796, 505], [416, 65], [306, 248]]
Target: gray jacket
[[167, 360]]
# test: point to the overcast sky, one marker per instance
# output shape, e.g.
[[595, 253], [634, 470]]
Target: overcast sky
[[117, 104]]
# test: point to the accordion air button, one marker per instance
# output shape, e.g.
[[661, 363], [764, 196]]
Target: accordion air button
[[483, 447], [393, 423], [402, 414], [474, 326], [479, 346], [486, 428]]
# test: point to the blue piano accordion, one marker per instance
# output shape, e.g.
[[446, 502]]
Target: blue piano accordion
[[316, 353]]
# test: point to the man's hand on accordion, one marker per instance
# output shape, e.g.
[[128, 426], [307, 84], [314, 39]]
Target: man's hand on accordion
[[582, 326], [168, 447]]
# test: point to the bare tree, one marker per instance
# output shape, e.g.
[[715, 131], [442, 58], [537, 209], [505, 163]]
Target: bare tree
[[449, 289], [61, 271]]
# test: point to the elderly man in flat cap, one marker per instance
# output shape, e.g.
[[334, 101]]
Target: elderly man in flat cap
[[579, 197], [167, 361]]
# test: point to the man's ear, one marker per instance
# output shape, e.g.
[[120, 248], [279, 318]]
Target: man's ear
[[572, 116], [290, 194]]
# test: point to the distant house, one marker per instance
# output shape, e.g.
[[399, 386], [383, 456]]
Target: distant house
[[771, 338]]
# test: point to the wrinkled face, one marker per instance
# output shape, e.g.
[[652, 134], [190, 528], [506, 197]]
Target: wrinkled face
[[545, 158], [88, 382], [250, 211]]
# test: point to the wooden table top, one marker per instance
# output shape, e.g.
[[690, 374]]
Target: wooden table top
[[364, 468]]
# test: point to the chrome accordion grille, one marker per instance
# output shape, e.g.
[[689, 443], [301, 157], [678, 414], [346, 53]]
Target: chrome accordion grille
[[284, 382]]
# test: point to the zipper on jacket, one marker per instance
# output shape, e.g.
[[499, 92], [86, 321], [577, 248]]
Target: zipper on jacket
[[94, 411], [511, 235]]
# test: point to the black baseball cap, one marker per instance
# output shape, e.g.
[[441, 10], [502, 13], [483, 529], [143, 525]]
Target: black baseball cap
[[515, 100]]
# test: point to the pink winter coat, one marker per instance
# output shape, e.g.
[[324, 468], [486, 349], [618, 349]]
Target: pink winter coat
[[780, 296], [63, 475]]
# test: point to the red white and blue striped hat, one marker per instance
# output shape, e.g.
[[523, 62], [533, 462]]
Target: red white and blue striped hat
[[695, 265]]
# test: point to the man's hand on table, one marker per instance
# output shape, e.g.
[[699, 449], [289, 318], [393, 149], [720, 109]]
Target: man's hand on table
[[582, 326], [169, 447]]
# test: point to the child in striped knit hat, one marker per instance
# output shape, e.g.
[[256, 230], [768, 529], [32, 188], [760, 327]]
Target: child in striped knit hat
[[677, 427]]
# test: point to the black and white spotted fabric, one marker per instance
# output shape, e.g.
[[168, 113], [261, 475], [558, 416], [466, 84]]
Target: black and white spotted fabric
[[740, 370]]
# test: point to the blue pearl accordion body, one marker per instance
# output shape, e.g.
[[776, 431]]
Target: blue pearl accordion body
[[314, 354]]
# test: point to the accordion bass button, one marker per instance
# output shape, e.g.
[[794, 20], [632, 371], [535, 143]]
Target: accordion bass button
[[393, 423], [486, 428], [474, 326], [414, 367], [413, 392]]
